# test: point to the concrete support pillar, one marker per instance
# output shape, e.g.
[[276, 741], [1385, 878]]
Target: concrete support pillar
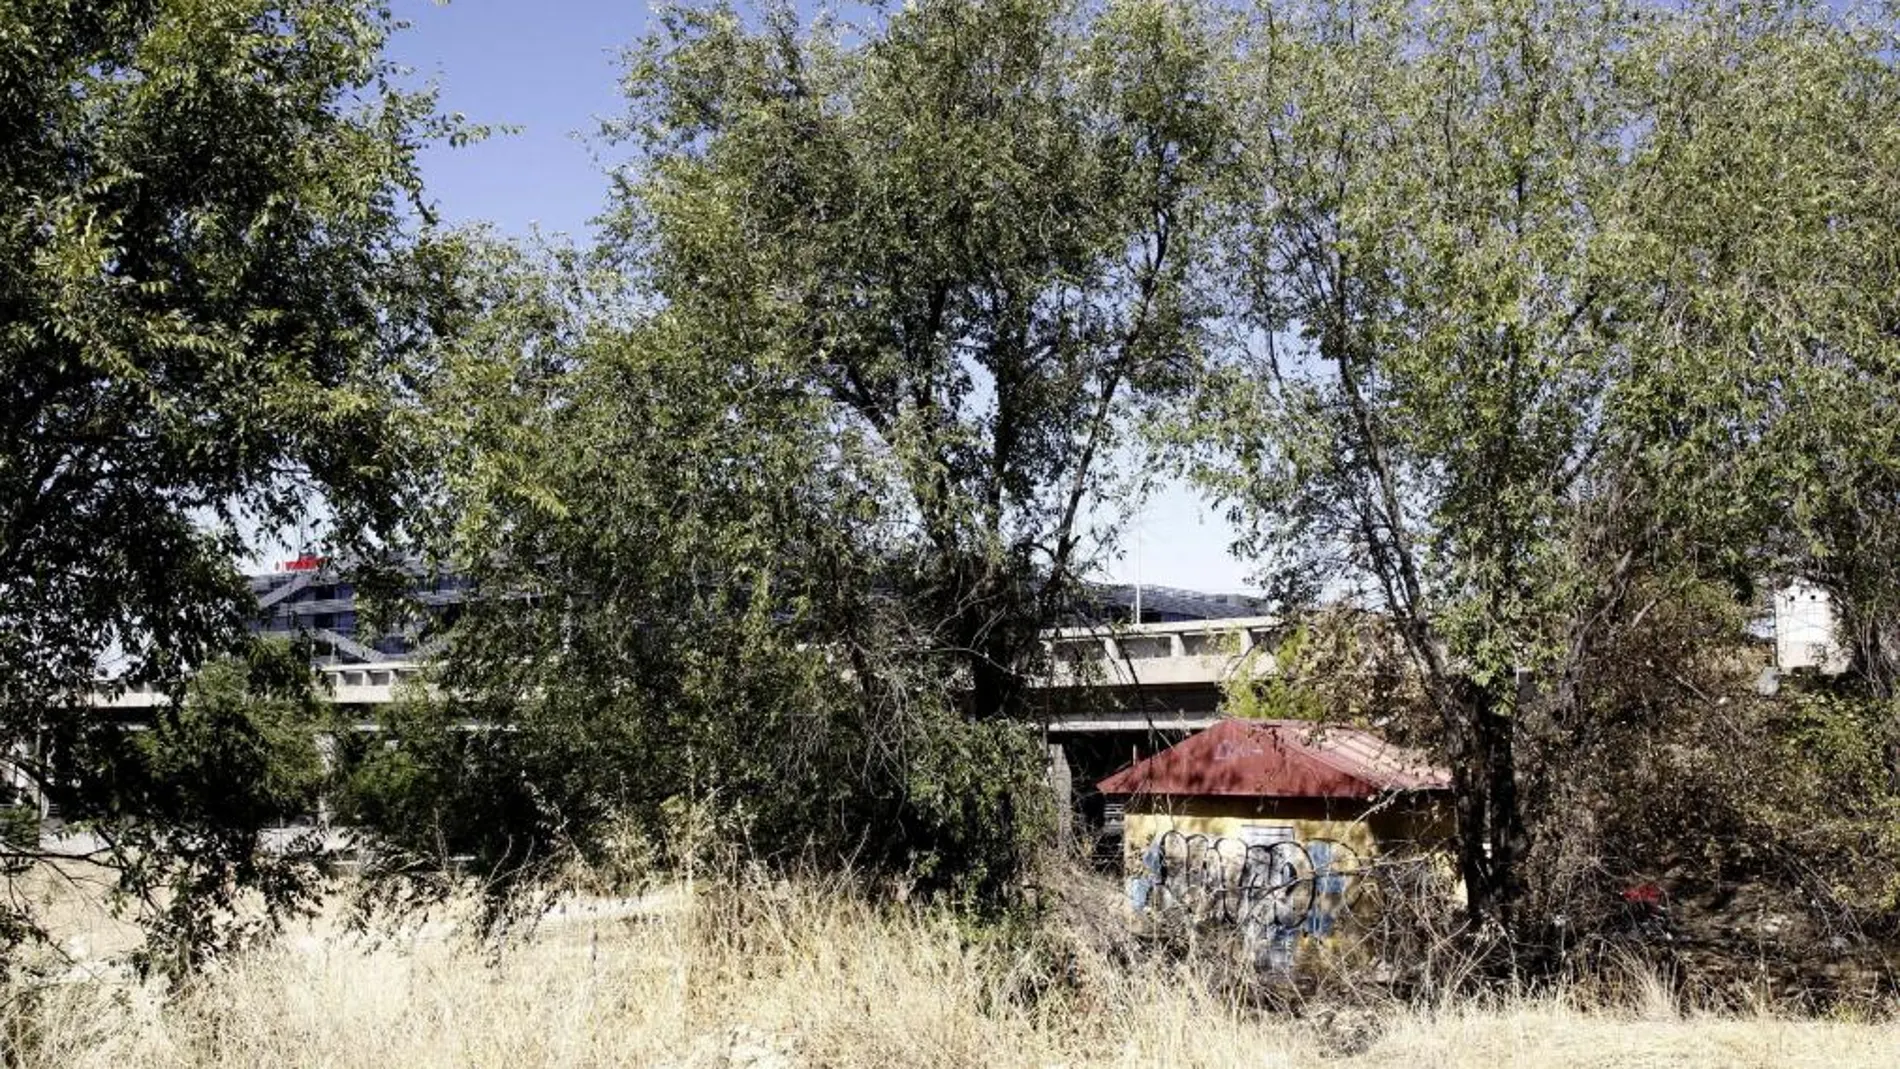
[[1061, 785], [326, 753]]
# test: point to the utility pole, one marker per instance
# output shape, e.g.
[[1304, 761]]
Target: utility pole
[[1139, 512]]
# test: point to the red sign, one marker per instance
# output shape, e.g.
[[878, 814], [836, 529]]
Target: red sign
[[305, 562]]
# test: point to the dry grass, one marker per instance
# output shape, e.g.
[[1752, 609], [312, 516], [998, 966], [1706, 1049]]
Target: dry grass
[[781, 977]]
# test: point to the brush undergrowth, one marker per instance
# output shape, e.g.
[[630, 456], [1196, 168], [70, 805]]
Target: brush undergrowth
[[762, 972]]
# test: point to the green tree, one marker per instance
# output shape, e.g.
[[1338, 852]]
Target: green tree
[[766, 502], [670, 640], [212, 299], [1765, 201], [1420, 234], [973, 235], [1557, 313], [180, 810]]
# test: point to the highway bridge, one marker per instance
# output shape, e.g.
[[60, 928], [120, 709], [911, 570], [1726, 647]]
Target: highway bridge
[[1151, 660], [1119, 678], [1112, 692]]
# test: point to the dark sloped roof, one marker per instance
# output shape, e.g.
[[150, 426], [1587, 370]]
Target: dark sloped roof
[[1280, 759]]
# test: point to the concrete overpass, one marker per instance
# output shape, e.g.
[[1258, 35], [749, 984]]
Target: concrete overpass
[[1112, 694], [1127, 678]]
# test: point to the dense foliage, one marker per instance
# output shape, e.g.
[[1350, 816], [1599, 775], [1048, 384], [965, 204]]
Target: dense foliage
[[673, 649], [974, 237], [767, 500], [1554, 313], [180, 812], [211, 301], [1527, 344]]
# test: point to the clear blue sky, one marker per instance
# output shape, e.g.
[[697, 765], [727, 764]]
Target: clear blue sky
[[549, 67]]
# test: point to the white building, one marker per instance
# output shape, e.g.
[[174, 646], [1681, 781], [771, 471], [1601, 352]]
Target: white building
[[1807, 630]]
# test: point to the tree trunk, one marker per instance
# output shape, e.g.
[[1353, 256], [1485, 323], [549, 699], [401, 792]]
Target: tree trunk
[[1484, 783]]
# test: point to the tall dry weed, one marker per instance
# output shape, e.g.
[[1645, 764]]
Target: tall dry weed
[[767, 974]]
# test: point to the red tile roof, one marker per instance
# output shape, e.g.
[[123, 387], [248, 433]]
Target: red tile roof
[[1280, 759]]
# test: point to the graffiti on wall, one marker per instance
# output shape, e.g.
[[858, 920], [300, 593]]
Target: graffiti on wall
[[1273, 891]]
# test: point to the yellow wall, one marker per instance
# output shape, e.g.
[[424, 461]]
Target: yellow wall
[[1368, 830]]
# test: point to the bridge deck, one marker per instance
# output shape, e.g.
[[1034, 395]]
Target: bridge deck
[[1134, 677]]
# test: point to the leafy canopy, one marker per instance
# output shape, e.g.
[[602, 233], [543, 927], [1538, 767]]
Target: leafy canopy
[[216, 290], [1548, 315], [973, 235]]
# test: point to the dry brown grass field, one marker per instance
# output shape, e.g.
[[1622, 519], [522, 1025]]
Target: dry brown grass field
[[771, 976]]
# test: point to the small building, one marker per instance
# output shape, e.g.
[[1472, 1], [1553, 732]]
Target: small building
[[1260, 782], [1807, 630]]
